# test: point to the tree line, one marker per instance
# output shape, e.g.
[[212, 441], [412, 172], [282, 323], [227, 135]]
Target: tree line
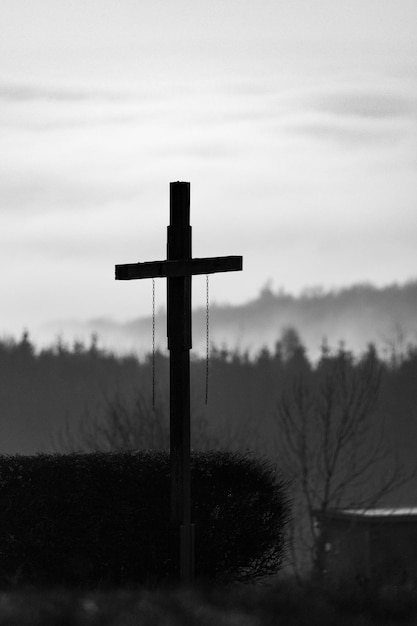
[[42, 390]]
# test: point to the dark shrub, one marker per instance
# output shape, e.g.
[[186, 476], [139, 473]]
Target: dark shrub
[[103, 518]]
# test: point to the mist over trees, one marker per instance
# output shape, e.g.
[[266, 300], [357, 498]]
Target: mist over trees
[[358, 314]]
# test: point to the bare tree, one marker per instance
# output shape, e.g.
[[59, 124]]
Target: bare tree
[[333, 447], [130, 425]]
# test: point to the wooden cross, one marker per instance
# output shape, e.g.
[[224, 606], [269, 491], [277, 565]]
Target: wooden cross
[[178, 269]]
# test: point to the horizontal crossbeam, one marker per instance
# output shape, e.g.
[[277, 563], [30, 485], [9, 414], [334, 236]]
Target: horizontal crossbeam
[[168, 269]]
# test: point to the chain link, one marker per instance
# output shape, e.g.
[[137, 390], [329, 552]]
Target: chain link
[[153, 344], [207, 337]]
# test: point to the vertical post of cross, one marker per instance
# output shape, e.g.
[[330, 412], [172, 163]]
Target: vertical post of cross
[[179, 269], [179, 345]]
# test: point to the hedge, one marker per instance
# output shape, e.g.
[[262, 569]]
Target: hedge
[[102, 519]]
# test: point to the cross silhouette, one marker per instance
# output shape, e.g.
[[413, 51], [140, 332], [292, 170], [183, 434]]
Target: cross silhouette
[[179, 269]]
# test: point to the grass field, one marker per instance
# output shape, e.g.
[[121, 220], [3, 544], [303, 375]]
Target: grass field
[[286, 605]]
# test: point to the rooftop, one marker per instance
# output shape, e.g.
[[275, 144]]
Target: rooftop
[[381, 512], [373, 515]]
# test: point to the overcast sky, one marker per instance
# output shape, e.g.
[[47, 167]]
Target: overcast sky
[[294, 120]]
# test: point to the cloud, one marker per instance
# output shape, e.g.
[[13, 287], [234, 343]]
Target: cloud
[[27, 92], [352, 116], [39, 107], [351, 133], [368, 104]]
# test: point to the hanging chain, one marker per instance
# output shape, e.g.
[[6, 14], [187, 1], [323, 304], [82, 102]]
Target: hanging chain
[[153, 344], [207, 337]]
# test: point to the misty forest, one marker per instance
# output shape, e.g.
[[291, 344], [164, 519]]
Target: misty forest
[[358, 410]]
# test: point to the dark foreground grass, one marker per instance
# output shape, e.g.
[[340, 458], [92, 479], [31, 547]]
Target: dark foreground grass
[[281, 605]]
